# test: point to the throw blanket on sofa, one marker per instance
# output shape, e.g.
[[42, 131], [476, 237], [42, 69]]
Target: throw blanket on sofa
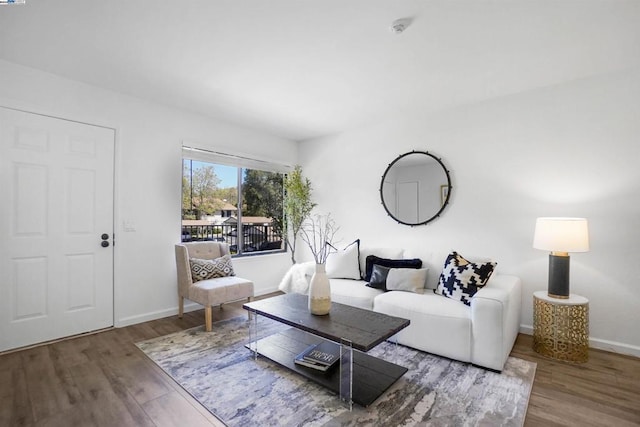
[[295, 280]]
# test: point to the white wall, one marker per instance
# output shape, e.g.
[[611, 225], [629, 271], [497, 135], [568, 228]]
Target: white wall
[[148, 180], [569, 150]]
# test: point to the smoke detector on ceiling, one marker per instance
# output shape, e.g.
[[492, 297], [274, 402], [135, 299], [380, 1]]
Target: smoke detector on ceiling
[[399, 25]]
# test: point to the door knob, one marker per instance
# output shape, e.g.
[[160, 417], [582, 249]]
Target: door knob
[[104, 236], [104, 244]]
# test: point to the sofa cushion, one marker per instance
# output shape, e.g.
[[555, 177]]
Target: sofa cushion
[[438, 325], [390, 263], [461, 279], [203, 269], [344, 264], [354, 293], [224, 289]]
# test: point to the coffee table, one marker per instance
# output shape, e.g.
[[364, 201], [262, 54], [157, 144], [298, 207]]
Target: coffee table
[[361, 378]]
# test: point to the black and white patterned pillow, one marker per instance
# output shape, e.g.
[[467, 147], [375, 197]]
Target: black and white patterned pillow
[[461, 279], [203, 269]]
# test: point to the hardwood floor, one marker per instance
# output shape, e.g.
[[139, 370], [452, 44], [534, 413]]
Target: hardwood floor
[[104, 380], [100, 380], [605, 391]]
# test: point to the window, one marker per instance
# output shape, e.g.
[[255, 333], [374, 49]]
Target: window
[[234, 200]]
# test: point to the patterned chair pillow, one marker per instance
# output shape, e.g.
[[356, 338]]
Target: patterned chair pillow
[[461, 279], [203, 269]]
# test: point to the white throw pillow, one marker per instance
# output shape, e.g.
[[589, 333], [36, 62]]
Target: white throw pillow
[[407, 279], [344, 264]]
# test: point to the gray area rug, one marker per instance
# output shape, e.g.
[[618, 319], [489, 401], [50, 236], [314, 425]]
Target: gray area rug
[[222, 375]]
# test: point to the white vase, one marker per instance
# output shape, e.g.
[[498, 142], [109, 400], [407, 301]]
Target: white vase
[[319, 292]]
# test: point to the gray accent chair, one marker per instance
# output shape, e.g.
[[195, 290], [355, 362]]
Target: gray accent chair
[[211, 292]]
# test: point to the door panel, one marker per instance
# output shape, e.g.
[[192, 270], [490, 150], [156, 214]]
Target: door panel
[[80, 294], [56, 177], [29, 288], [29, 198]]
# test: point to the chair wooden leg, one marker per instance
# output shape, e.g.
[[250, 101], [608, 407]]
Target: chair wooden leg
[[207, 318], [180, 306]]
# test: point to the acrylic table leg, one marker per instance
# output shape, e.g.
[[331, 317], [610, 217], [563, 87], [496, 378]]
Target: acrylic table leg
[[253, 335], [346, 372], [395, 353]]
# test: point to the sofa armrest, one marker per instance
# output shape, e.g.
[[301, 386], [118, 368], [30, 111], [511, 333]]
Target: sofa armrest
[[495, 320]]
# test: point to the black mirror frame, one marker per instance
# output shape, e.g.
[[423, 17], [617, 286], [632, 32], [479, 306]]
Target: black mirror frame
[[444, 204]]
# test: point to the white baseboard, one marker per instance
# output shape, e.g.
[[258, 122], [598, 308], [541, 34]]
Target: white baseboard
[[600, 344], [153, 315], [615, 347], [266, 291], [172, 311]]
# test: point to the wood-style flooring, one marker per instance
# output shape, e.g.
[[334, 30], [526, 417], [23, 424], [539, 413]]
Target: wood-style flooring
[[605, 391], [104, 380]]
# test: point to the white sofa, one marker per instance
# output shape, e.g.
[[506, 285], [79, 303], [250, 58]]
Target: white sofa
[[482, 334]]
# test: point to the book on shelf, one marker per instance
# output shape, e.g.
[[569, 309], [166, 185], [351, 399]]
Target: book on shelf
[[299, 360], [320, 356], [324, 353]]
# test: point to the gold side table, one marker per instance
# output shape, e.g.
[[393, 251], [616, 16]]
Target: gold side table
[[561, 327]]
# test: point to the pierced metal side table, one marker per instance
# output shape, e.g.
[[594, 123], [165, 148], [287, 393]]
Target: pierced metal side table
[[561, 327]]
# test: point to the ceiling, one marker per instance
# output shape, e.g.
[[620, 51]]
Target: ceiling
[[301, 69]]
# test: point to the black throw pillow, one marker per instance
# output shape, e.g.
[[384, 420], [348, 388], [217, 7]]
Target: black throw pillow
[[389, 263], [379, 277]]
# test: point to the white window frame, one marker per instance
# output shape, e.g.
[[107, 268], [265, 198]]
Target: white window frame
[[240, 162]]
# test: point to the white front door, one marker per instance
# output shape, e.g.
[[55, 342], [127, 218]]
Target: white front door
[[56, 203]]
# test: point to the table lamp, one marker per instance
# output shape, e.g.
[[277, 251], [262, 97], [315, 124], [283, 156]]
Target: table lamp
[[560, 236]]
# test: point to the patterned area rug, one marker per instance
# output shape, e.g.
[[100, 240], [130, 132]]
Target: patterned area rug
[[222, 375]]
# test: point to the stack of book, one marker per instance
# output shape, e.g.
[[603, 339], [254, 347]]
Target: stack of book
[[319, 356]]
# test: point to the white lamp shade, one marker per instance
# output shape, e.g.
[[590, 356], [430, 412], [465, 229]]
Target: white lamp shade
[[561, 234]]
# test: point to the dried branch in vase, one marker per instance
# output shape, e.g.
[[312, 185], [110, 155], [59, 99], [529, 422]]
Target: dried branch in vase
[[318, 232]]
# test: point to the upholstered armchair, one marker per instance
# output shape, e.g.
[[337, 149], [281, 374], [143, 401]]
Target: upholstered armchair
[[215, 282]]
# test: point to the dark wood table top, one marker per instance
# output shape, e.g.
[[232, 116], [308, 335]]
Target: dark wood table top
[[364, 328]]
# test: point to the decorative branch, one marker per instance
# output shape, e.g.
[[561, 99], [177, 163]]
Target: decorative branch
[[318, 233]]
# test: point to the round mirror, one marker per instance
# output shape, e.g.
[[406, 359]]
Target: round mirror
[[415, 188]]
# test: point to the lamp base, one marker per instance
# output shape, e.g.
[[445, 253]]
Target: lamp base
[[558, 276], [558, 296]]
